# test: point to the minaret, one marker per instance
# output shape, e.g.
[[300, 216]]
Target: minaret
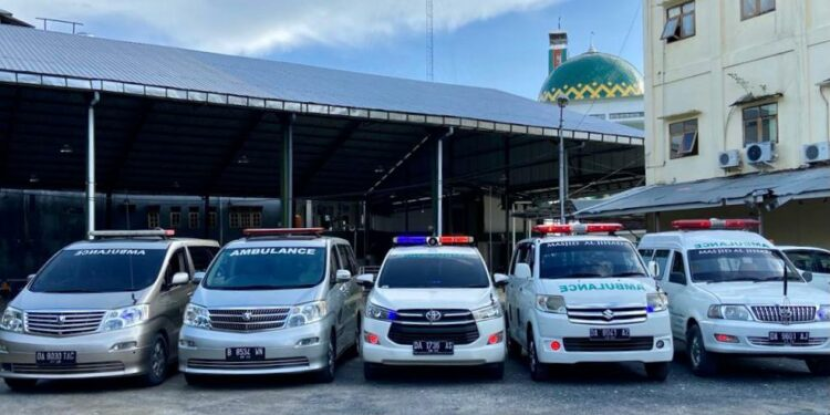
[[558, 49]]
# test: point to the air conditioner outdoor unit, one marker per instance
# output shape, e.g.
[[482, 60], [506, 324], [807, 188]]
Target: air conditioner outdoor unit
[[729, 159], [815, 153], [760, 153]]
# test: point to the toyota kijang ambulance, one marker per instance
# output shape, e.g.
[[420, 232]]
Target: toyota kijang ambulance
[[575, 297], [733, 293], [433, 303]]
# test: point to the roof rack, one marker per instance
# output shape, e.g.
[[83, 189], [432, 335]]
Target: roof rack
[[283, 232], [160, 233]]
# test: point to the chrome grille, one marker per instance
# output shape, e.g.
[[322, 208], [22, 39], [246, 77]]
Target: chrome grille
[[248, 320], [63, 323], [418, 317], [286, 362], [607, 315], [785, 314], [77, 369], [765, 341]]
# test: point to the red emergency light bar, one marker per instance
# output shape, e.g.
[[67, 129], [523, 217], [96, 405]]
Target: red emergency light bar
[[283, 231], [578, 228], [705, 224], [164, 233]]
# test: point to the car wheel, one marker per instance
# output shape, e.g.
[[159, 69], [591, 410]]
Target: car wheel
[[372, 371], [495, 371], [703, 363], [158, 364], [21, 385], [819, 366], [538, 370], [658, 371], [326, 374]]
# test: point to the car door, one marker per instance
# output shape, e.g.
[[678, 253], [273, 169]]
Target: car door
[[353, 295], [814, 261], [674, 281], [512, 288], [173, 298], [337, 300], [526, 295]]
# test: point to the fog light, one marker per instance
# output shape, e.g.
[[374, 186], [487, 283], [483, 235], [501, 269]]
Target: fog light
[[119, 347], [660, 344], [372, 338], [555, 345], [495, 338], [726, 338], [187, 343], [309, 341]]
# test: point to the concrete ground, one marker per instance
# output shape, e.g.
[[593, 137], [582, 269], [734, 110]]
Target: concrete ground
[[753, 386]]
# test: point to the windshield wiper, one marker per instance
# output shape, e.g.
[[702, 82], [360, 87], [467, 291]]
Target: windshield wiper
[[250, 288], [629, 274], [76, 291], [734, 280], [582, 275]]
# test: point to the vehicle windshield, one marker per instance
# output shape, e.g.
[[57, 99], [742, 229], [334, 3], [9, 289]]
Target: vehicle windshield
[[434, 270], [100, 271], [269, 268], [810, 260], [738, 264], [589, 259]]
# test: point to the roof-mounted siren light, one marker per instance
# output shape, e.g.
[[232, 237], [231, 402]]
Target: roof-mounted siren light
[[707, 224], [162, 233], [282, 232], [433, 240], [578, 228]]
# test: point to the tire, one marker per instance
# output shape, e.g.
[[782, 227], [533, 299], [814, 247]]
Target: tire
[[326, 374], [159, 364], [21, 385], [703, 363], [495, 371], [658, 372], [372, 371], [538, 370], [819, 366]]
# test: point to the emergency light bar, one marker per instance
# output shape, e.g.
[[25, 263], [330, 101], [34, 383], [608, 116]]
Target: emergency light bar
[[283, 231], [433, 240], [164, 233], [578, 228], [704, 224]]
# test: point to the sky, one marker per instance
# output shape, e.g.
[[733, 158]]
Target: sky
[[500, 44]]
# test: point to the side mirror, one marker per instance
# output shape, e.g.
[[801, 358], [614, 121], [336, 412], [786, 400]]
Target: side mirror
[[198, 276], [343, 275], [523, 271], [807, 275], [31, 277], [180, 278], [654, 269], [500, 280], [366, 280]]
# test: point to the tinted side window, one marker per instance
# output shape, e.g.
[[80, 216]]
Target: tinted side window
[[520, 256], [661, 257], [178, 263], [347, 261], [201, 256], [678, 272], [646, 254]]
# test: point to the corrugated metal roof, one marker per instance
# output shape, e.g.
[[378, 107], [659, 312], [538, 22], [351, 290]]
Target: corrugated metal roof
[[786, 185], [59, 54]]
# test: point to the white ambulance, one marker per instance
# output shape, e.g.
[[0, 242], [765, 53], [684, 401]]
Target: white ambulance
[[577, 298], [733, 293]]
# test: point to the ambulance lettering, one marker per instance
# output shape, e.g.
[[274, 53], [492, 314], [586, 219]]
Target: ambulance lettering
[[605, 286], [272, 251]]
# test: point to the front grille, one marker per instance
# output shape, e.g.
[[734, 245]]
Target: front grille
[[63, 323], [76, 369], [764, 341], [287, 362], [607, 315], [447, 316], [457, 333], [785, 314], [583, 344], [248, 320]]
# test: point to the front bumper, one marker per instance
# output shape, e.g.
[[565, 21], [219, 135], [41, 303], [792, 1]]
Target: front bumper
[[575, 345], [475, 353], [203, 351], [94, 354], [750, 335]]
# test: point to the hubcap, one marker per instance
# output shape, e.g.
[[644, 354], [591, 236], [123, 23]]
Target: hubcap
[[158, 360]]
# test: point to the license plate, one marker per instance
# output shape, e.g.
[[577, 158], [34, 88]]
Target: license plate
[[55, 358], [244, 354], [433, 347], [610, 334], [789, 337]]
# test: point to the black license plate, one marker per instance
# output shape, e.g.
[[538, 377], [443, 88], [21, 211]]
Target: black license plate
[[789, 337], [55, 358], [610, 334], [244, 354], [433, 347]]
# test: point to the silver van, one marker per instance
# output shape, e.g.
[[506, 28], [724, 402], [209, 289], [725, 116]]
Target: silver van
[[276, 301], [108, 307]]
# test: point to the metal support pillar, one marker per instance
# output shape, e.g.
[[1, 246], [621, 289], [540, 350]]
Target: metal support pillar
[[206, 219], [563, 180], [309, 214], [90, 166], [287, 199], [438, 184], [507, 202], [108, 218]]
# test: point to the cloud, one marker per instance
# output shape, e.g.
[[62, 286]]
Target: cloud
[[256, 27]]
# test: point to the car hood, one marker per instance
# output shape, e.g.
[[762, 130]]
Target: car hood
[[33, 301], [404, 298], [601, 292], [765, 293], [253, 298]]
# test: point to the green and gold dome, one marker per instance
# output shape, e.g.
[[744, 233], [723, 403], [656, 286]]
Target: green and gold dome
[[593, 75]]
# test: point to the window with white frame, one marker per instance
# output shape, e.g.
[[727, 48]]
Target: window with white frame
[[241, 217], [761, 123], [153, 219], [175, 217], [193, 218], [753, 8], [683, 139], [680, 22]]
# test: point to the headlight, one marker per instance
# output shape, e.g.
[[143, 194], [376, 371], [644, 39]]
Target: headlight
[[376, 312], [729, 312], [307, 313], [125, 317], [196, 316], [551, 304], [823, 313], [12, 320], [488, 313], [657, 302]]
